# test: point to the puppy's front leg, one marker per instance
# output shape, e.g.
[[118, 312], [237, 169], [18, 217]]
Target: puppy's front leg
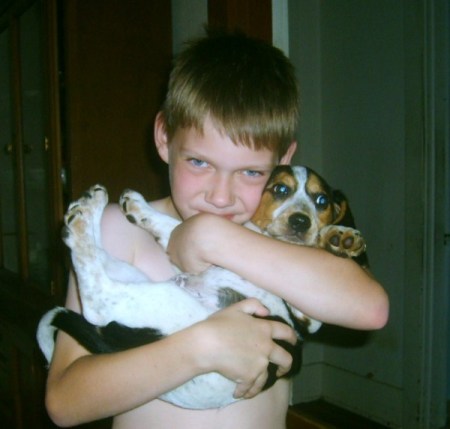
[[342, 241]]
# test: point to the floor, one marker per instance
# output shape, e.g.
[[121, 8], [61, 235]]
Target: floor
[[321, 415]]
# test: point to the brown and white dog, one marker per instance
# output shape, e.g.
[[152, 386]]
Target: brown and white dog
[[123, 309], [299, 206]]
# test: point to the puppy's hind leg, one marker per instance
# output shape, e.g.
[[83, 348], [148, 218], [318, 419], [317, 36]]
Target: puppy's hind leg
[[81, 229], [82, 235], [142, 214]]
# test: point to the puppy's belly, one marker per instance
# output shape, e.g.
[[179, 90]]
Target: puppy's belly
[[217, 288], [163, 306]]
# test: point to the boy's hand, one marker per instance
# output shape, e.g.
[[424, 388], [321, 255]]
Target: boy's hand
[[193, 240], [240, 346]]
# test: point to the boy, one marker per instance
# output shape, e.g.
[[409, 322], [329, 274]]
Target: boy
[[229, 118]]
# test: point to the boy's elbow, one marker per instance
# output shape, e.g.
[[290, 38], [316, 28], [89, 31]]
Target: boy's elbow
[[57, 410], [380, 313]]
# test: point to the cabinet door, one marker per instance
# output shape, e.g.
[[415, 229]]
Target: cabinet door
[[9, 238], [30, 205], [28, 192], [34, 144]]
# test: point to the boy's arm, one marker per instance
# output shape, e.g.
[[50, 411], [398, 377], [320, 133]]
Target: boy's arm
[[83, 387], [328, 288]]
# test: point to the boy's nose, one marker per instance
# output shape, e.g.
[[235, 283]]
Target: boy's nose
[[220, 193]]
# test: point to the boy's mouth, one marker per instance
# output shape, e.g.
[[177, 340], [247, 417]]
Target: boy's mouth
[[228, 216]]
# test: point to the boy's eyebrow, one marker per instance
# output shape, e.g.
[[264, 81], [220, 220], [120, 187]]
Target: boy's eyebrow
[[192, 153], [189, 152], [258, 167]]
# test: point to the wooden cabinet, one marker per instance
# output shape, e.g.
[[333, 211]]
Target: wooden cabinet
[[31, 272], [80, 83], [29, 156], [30, 206]]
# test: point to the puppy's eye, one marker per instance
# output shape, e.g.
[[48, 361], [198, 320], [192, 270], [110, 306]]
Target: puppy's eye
[[322, 201], [281, 190]]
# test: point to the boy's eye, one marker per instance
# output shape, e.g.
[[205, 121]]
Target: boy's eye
[[198, 162], [281, 190], [253, 173]]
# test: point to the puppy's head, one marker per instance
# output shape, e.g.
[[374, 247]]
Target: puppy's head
[[296, 203]]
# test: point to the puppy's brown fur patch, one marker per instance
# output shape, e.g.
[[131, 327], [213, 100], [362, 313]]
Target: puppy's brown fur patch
[[269, 203]]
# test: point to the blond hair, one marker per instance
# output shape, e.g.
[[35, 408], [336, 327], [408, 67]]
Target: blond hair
[[247, 87]]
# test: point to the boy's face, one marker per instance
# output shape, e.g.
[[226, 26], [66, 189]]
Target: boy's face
[[209, 173]]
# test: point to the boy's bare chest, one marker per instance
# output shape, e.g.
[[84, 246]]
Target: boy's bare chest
[[265, 411]]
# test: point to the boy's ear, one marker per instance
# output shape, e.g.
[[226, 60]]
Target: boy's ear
[[287, 157], [160, 136]]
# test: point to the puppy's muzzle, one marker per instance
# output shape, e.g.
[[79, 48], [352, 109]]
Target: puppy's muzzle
[[299, 222]]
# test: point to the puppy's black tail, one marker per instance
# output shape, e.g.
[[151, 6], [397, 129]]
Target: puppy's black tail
[[111, 338]]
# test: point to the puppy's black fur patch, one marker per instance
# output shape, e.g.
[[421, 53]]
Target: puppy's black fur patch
[[113, 337]]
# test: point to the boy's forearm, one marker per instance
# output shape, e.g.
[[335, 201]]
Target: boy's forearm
[[82, 387], [94, 387], [327, 288]]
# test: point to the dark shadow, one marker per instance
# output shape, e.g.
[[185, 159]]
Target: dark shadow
[[342, 337]]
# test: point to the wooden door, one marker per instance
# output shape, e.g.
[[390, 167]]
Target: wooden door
[[116, 61], [254, 17]]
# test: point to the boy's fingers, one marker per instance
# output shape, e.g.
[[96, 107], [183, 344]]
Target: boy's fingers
[[253, 306], [249, 390], [279, 357], [281, 331], [282, 359]]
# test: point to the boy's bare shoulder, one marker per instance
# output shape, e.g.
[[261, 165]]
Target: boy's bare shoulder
[[129, 243]]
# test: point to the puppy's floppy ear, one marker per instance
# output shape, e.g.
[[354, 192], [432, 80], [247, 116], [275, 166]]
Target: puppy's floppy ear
[[343, 214]]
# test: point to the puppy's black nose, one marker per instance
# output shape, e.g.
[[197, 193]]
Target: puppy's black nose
[[299, 222]]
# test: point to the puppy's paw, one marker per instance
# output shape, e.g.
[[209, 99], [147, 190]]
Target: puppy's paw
[[83, 216], [134, 207], [342, 241], [142, 214]]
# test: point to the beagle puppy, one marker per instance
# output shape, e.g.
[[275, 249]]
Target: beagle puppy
[[123, 309], [299, 206]]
